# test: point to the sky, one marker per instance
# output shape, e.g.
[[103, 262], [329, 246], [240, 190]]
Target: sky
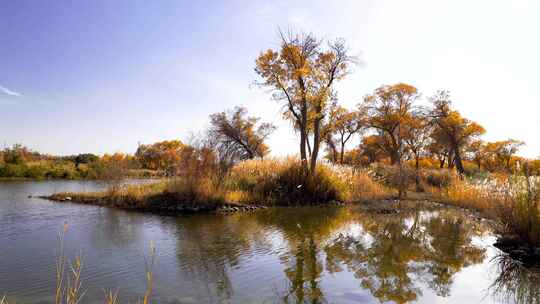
[[102, 76]]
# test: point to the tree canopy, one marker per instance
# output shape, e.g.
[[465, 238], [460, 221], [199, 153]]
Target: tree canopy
[[301, 73], [237, 136]]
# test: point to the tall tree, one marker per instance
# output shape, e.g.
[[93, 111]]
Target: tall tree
[[342, 126], [18, 154], [451, 129], [416, 136], [302, 74], [163, 155], [238, 136], [501, 153], [439, 151], [477, 152], [390, 109], [373, 148]]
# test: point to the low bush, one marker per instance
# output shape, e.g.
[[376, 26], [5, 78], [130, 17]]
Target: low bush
[[11, 170], [195, 191], [427, 178], [360, 186], [284, 182], [441, 178]]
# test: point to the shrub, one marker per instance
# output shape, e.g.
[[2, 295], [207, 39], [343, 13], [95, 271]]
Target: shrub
[[284, 182], [441, 178], [321, 186], [195, 190], [11, 170], [360, 186], [35, 172], [391, 175]]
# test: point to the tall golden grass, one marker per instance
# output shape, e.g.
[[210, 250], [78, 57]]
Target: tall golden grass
[[512, 200], [467, 195], [360, 185], [520, 212], [276, 181]]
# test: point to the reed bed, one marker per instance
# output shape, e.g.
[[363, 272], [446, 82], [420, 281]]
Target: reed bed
[[512, 200]]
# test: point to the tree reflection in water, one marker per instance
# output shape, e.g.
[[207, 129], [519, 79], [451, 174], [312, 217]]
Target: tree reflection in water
[[401, 251], [449, 250], [516, 282], [304, 272], [304, 230], [384, 263], [392, 256]]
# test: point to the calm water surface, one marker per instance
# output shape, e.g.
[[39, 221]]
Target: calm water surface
[[295, 255]]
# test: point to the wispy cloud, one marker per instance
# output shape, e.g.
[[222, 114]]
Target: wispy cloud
[[9, 92]]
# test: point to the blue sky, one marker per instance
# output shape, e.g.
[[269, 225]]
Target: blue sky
[[101, 76]]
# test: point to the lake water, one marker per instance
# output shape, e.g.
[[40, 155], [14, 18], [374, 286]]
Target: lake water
[[282, 255]]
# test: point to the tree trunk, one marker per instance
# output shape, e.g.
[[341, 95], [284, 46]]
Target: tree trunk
[[394, 157], [303, 125], [303, 137], [441, 162], [342, 152], [394, 148], [316, 144], [308, 147], [401, 191], [451, 156], [302, 144], [458, 162], [399, 153], [417, 176]]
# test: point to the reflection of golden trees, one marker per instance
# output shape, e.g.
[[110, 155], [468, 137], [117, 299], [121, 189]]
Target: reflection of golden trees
[[449, 250], [299, 224], [387, 253], [515, 282], [305, 229], [385, 265], [304, 270], [208, 250], [401, 248]]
